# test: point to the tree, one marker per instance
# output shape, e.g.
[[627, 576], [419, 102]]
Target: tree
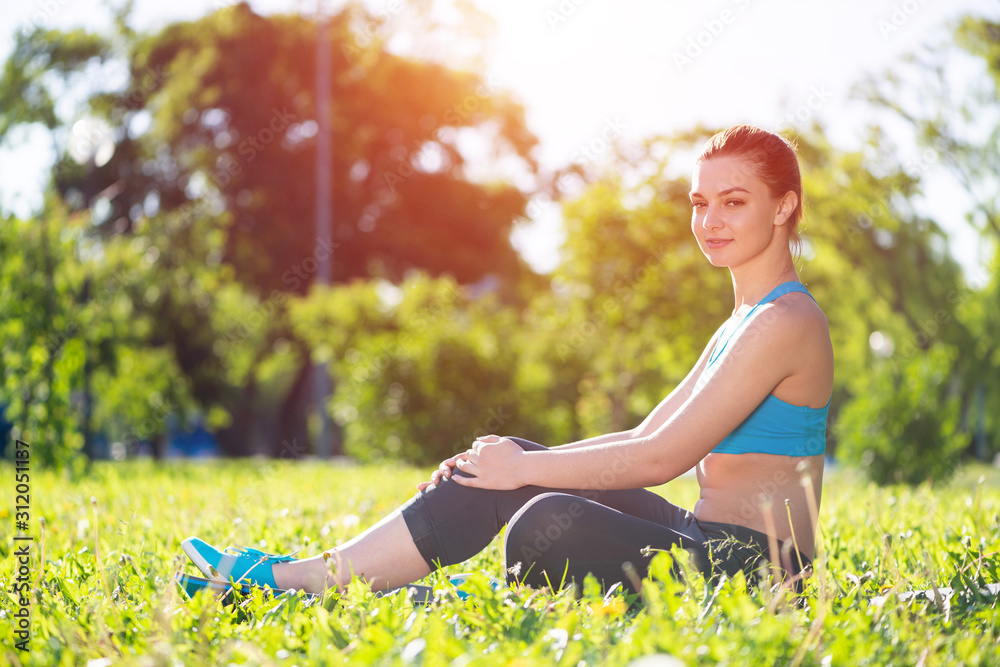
[[233, 111], [633, 294], [41, 357], [219, 114], [421, 370], [959, 135], [69, 313], [902, 427]]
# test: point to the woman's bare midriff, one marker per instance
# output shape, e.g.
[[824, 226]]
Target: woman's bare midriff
[[736, 488]]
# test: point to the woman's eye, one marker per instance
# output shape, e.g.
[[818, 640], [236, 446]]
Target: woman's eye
[[732, 203], [697, 205]]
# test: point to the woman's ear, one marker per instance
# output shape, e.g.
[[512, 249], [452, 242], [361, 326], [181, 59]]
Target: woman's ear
[[786, 206]]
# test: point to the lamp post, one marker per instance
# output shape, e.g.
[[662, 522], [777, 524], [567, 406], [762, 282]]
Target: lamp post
[[91, 143], [324, 216]]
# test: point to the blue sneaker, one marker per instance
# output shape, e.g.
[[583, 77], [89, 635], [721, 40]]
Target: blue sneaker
[[192, 585], [459, 581], [243, 565]]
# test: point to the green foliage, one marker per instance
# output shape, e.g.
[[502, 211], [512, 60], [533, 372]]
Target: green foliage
[[42, 353], [981, 37], [228, 107], [36, 54], [418, 379], [173, 294], [94, 313], [634, 299], [105, 590], [957, 137], [871, 261], [236, 134], [979, 307], [902, 426]]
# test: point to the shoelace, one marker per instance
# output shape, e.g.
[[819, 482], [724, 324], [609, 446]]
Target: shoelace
[[260, 556]]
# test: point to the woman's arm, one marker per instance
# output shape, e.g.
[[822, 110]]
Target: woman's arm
[[599, 440], [720, 399], [660, 414]]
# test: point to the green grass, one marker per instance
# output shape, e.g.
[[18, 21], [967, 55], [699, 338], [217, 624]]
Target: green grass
[[112, 545]]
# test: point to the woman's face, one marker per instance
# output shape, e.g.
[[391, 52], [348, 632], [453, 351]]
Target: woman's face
[[733, 214]]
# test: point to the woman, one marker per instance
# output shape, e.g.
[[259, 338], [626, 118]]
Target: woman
[[750, 416]]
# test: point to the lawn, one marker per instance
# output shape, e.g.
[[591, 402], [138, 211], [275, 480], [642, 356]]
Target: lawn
[[107, 547]]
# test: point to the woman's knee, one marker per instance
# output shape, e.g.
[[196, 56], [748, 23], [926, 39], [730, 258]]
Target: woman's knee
[[540, 532], [526, 445]]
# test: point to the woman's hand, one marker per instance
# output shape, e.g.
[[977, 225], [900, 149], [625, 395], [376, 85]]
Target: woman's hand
[[494, 463], [444, 471]]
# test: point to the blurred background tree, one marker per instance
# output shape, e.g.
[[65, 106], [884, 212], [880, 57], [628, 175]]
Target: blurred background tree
[[903, 424], [171, 274], [219, 115], [948, 351], [41, 359]]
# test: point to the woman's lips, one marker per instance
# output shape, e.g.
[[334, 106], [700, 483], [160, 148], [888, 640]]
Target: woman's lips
[[717, 243]]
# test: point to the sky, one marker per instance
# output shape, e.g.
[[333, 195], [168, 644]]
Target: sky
[[590, 70]]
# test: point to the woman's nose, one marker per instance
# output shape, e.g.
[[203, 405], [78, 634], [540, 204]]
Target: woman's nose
[[710, 220]]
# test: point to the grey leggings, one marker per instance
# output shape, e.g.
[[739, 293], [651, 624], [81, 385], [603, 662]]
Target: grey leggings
[[558, 536]]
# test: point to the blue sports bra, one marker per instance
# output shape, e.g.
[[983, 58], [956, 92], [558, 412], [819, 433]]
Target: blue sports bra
[[774, 427]]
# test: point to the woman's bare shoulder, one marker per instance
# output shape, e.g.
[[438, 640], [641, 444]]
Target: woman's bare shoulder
[[799, 313]]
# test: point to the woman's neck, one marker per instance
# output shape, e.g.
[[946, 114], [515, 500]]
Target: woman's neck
[[753, 281]]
